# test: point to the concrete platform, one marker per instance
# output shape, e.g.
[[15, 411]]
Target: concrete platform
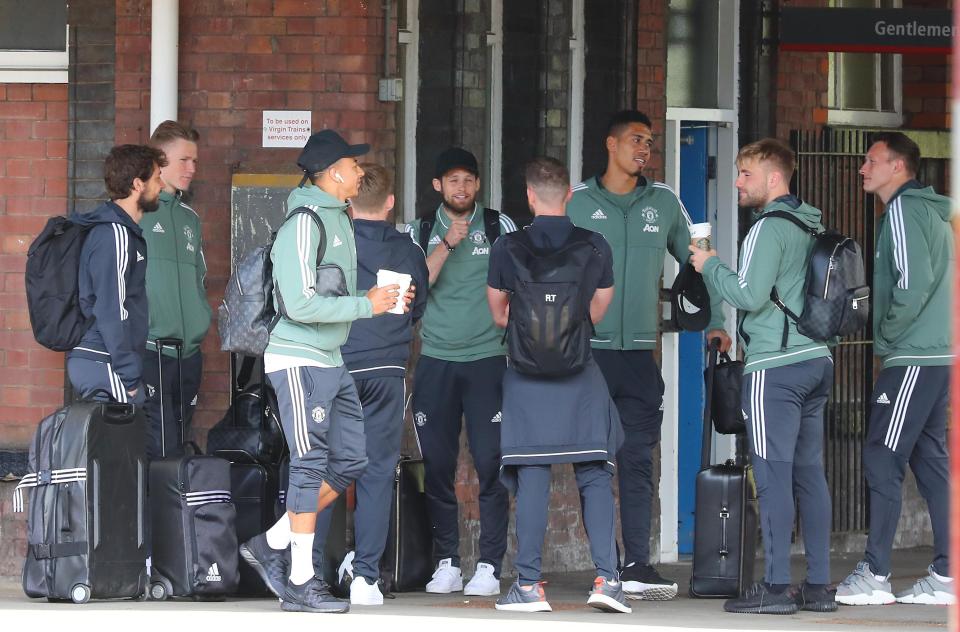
[[455, 613]]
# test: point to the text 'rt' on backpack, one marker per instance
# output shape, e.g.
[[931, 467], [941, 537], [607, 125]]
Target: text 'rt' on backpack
[[247, 315], [836, 298], [53, 284], [549, 327]]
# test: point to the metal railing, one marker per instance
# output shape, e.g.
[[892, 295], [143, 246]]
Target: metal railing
[[827, 177]]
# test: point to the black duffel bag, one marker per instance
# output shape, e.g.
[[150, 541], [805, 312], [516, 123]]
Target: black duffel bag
[[725, 406], [251, 425]]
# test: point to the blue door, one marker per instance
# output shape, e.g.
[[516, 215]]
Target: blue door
[[694, 192]]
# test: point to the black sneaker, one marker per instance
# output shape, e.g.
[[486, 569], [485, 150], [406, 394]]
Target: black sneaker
[[641, 581], [272, 565], [313, 596], [759, 600], [813, 599]]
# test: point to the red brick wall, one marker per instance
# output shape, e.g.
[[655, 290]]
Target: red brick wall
[[652, 75], [801, 88], [33, 186], [236, 60], [926, 82]]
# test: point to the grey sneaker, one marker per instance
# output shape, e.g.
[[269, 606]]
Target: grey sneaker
[[520, 600], [271, 565], [608, 596], [929, 591], [862, 588], [313, 596]]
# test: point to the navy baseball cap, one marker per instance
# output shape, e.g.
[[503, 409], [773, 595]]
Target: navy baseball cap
[[325, 148], [456, 158], [690, 300]]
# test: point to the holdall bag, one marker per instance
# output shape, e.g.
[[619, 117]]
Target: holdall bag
[[725, 519], [193, 520], [86, 523], [251, 425], [407, 562], [725, 409]]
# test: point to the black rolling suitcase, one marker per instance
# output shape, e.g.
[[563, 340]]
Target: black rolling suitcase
[[725, 524], [86, 526], [193, 520], [254, 489], [407, 562]]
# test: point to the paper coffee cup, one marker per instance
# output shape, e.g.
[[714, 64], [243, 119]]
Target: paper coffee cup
[[700, 235], [389, 277]]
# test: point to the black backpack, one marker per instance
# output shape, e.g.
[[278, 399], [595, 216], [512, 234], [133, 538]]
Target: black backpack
[[549, 328], [247, 314], [53, 284], [491, 226], [836, 300]]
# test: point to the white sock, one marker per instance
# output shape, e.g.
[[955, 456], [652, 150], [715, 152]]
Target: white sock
[[938, 577], [278, 536], [881, 578], [301, 558]]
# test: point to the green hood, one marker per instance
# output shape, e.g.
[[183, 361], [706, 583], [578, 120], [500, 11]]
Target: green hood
[[941, 204], [313, 196]]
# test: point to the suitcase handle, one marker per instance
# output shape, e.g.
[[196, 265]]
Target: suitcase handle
[[118, 414], [707, 438]]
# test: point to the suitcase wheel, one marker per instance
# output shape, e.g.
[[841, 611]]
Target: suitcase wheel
[[80, 593], [161, 589]]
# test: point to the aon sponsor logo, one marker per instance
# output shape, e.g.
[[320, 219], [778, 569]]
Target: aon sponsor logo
[[484, 250], [650, 228]]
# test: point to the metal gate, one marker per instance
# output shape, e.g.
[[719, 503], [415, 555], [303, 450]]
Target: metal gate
[[828, 162]]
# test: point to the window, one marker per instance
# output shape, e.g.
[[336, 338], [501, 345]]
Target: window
[[865, 88], [34, 37]]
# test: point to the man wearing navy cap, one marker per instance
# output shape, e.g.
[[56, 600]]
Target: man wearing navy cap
[[460, 372], [317, 398]]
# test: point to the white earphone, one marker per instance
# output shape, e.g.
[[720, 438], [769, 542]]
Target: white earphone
[[338, 177]]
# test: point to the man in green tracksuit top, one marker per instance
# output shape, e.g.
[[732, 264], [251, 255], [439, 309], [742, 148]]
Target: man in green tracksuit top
[[176, 293], [912, 299], [640, 220], [785, 383], [317, 399]]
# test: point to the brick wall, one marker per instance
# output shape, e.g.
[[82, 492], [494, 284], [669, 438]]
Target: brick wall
[[652, 77], [33, 181], [236, 60], [800, 90], [926, 82]]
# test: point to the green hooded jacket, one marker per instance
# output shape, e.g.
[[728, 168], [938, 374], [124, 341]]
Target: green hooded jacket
[[655, 221], [913, 279], [175, 275], [774, 253], [314, 326]]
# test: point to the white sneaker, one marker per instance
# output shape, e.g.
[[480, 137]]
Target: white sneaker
[[483, 583], [363, 593], [446, 579]]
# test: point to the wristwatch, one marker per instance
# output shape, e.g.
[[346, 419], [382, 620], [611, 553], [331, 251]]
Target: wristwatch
[[447, 244]]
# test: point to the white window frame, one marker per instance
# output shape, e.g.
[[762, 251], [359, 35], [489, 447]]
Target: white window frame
[[868, 118], [35, 66]]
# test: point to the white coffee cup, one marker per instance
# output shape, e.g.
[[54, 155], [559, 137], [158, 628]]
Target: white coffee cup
[[389, 277], [700, 235]]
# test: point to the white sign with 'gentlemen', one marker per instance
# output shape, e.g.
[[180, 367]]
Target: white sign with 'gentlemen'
[[286, 128]]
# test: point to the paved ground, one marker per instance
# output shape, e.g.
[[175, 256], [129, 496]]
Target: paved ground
[[421, 612]]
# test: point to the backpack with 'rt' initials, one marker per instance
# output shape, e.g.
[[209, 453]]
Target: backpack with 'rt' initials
[[836, 299], [549, 327]]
